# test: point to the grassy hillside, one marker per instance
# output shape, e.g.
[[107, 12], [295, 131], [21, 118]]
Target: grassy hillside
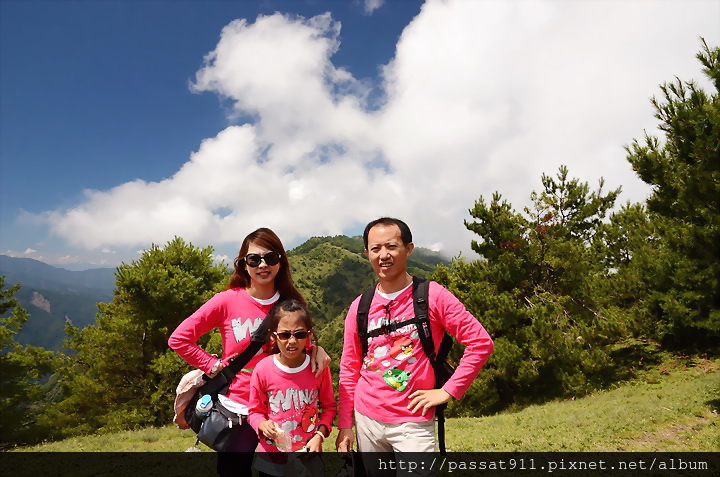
[[672, 407], [329, 277]]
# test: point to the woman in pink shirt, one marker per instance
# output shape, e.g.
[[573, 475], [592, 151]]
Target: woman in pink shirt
[[290, 408], [260, 279]]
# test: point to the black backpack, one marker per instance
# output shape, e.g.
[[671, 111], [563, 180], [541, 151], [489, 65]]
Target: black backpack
[[421, 320]]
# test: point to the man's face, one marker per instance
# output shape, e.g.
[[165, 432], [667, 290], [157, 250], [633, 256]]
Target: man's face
[[387, 253]]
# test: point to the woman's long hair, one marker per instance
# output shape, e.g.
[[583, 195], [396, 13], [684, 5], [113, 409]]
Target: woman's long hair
[[266, 238]]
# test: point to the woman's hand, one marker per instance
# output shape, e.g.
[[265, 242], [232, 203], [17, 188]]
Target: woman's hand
[[217, 367], [319, 360]]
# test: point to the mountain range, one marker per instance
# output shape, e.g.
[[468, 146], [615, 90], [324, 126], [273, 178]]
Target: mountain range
[[329, 271], [53, 296]]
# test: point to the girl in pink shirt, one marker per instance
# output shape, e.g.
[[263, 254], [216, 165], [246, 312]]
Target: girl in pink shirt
[[290, 408]]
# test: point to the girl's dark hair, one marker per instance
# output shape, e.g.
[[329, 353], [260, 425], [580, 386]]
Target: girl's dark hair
[[288, 306], [266, 238]]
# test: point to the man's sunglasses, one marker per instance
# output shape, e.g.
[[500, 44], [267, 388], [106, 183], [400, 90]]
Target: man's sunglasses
[[270, 259], [298, 334]]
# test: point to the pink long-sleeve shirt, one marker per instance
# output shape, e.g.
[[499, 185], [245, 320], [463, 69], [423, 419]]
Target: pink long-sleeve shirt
[[237, 315], [379, 384], [294, 398]]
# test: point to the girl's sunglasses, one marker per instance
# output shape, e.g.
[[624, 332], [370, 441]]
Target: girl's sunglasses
[[270, 259], [298, 334]]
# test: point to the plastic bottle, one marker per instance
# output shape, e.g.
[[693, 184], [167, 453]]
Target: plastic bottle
[[283, 440], [204, 406]]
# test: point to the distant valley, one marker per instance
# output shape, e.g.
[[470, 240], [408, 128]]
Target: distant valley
[[53, 296]]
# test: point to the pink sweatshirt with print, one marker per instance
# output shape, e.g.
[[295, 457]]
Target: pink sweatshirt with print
[[237, 315], [294, 398], [379, 384]]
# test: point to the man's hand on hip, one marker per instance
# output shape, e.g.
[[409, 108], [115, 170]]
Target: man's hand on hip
[[426, 399]]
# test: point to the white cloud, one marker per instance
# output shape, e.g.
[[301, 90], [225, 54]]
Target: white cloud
[[372, 5], [66, 259], [221, 258], [481, 96], [28, 253], [74, 262], [436, 247]]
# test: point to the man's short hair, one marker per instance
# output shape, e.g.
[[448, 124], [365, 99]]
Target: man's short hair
[[405, 234]]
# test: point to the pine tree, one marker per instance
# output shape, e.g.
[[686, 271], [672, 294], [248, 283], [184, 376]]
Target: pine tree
[[21, 369], [535, 290], [684, 171], [123, 374]]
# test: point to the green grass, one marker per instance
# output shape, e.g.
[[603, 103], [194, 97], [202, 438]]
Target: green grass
[[673, 407]]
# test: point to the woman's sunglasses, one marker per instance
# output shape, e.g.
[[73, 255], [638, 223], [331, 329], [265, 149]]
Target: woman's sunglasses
[[270, 259], [298, 334]]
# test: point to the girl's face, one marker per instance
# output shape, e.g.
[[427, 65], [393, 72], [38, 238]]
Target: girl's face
[[291, 346], [263, 274]]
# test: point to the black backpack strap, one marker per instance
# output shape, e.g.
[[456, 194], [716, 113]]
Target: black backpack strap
[[391, 327], [258, 339], [220, 383], [440, 413], [422, 318], [362, 317], [444, 350], [421, 305]]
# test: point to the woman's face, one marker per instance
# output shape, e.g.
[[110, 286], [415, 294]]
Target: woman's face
[[263, 274]]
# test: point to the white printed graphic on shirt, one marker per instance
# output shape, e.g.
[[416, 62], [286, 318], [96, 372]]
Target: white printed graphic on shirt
[[244, 327], [292, 398]]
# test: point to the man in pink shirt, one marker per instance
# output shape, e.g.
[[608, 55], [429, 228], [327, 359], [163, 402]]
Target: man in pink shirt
[[390, 391]]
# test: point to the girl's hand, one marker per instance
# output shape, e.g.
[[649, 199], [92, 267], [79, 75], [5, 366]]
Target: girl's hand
[[319, 360], [269, 429], [314, 444]]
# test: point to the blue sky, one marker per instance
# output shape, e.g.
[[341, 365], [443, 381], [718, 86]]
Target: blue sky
[[126, 123]]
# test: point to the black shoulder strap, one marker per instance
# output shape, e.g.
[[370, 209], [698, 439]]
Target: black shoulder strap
[[421, 319], [362, 317], [219, 384], [421, 303], [258, 339], [420, 306]]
